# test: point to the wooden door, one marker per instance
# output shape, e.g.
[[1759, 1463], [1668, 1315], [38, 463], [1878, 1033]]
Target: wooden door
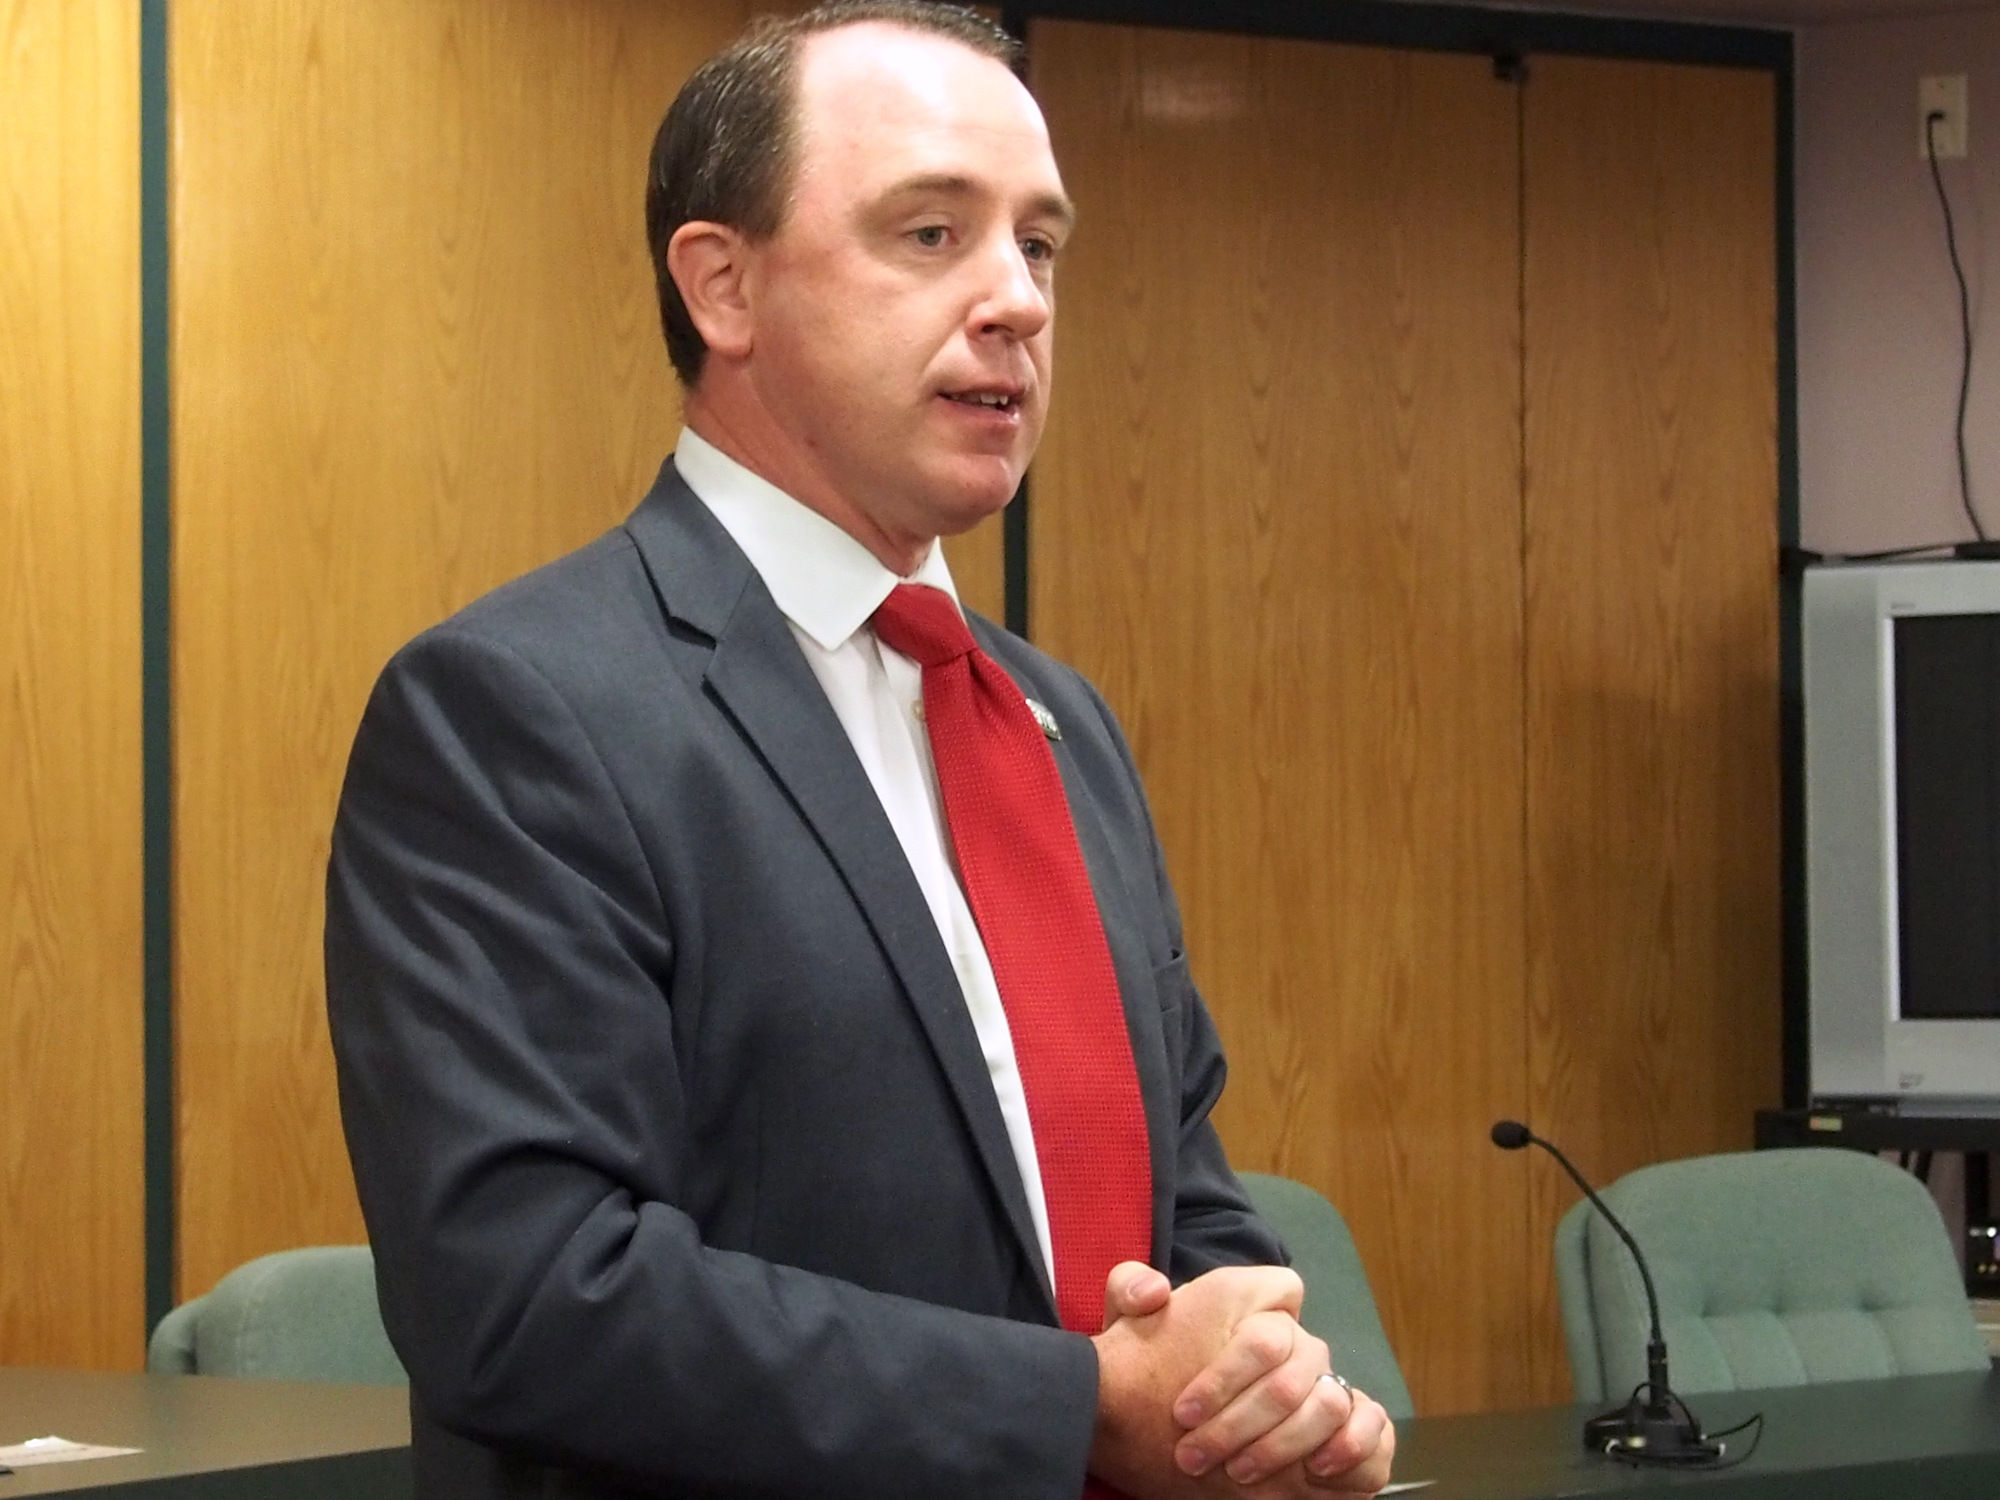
[[1277, 520], [1411, 492], [1652, 628]]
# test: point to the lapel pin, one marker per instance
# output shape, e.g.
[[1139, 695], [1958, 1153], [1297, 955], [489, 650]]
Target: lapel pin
[[1046, 719]]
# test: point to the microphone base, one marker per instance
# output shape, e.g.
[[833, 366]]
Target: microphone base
[[1654, 1436]]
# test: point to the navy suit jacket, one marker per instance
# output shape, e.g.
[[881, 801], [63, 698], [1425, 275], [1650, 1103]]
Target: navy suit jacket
[[675, 1143]]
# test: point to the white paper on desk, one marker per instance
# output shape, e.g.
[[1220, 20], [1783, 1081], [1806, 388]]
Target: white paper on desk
[[55, 1450]]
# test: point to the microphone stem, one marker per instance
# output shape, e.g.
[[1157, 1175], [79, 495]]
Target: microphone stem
[[1656, 1346]]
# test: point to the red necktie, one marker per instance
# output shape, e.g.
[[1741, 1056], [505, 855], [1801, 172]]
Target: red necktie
[[1030, 893]]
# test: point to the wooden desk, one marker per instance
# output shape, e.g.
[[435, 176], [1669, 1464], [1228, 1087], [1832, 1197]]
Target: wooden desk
[[1933, 1437], [209, 1439]]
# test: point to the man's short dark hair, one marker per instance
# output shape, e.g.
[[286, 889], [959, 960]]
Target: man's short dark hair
[[727, 150]]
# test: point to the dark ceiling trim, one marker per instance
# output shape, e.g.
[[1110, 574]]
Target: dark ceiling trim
[[1435, 28]]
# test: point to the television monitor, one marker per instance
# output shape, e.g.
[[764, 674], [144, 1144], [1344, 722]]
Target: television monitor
[[1902, 730]]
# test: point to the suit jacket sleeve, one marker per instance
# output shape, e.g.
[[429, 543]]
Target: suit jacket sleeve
[[497, 962]]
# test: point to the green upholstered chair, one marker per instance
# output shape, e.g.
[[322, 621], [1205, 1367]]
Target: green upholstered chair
[[1339, 1306], [1773, 1268], [296, 1315]]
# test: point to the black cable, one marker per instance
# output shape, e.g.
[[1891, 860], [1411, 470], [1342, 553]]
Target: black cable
[[1756, 1438], [1964, 321], [1888, 554], [1639, 1458]]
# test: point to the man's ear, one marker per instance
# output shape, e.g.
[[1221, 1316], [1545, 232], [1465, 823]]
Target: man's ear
[[710, 264]]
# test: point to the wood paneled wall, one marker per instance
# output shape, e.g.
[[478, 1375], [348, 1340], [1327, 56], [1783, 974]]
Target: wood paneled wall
[[1415, 511], [1459, 720], [72, 1278], [1652, 625], [416, 354]]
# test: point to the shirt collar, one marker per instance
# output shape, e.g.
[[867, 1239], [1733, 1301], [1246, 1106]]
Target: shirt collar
[[822, 580]]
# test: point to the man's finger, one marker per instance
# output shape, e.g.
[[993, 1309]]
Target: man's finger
[[1265, 1373], [1234, 1295], [1134, 1290], [1357, 1459], [1312, 1428], [1258, 1344]]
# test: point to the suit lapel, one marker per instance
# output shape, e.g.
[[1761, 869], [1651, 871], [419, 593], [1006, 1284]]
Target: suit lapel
[[760, 677]]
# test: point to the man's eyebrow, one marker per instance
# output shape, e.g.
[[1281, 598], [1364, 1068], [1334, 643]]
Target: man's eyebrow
[[1055, 206]]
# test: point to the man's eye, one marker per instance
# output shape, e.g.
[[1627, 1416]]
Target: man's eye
[[931, 236], [1034, 247]]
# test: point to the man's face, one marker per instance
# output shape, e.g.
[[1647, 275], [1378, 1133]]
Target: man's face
[[903, 310]]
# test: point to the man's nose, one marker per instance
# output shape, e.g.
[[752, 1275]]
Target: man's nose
[[1014, 301]]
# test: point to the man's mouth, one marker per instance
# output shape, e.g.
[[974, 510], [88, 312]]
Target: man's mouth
[[991, 400]]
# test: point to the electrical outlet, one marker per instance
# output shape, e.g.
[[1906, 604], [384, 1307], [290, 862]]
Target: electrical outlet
[[1945, 95]]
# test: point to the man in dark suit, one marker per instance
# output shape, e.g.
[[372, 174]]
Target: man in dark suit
[[704, 1139]]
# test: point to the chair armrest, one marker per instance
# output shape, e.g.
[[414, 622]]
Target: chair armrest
[[170, 1351]]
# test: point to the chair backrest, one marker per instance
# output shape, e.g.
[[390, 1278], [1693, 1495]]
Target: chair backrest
[[296, 1315], [1339, 1305], [1773, 1268]]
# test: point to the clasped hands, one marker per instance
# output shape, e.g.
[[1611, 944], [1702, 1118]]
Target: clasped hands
[[1214, 1389]]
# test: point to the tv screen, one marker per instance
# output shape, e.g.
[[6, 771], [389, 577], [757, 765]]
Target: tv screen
[[1947, 709]]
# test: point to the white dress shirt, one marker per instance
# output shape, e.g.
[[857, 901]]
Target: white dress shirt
[[827, 585]]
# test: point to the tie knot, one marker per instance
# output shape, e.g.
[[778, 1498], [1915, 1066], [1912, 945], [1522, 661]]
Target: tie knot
[[923, 624]]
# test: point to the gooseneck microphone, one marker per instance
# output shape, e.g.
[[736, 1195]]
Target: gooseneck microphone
[[1658, 1429]]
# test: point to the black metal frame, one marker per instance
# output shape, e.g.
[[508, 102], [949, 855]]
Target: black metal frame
[[156, 662]]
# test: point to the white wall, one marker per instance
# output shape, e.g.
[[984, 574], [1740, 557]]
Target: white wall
[[1878, 309]]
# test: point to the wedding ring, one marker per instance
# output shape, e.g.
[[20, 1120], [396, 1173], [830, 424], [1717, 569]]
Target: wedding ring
[[1339, 1380]]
